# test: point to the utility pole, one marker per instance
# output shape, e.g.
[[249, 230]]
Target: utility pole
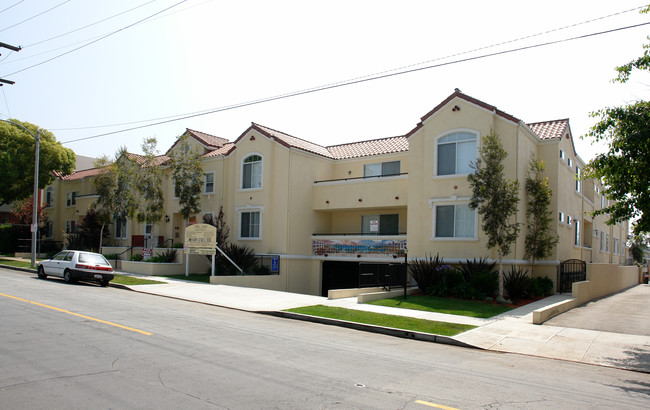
[[12, 48]]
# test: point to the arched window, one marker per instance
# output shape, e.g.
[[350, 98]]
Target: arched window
[[455, 152], [252, 172]]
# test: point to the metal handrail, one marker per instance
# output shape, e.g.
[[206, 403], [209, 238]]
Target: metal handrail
[[359, 178]]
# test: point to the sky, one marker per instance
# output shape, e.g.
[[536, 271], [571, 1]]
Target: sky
[[89, 68]]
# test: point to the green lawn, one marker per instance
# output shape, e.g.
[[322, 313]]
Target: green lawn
[[131, 280], [379, 319], [445, 305], [196, 277], [18, 264]]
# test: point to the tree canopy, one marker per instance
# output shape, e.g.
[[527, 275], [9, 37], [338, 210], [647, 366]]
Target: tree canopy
[[187, 174], [624, 167], [496, 199], [17, 148], [540, 239]]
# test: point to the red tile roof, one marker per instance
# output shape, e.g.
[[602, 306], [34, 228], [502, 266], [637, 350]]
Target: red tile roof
[[210, 141], [81, 174], [141, 159], [372, 147], [547, 130], [220, 151], [290, 141]]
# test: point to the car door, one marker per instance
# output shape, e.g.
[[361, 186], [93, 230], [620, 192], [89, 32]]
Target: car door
[[67, 262], [53, 267]]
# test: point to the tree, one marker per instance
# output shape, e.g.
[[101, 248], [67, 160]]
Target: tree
[[22, 212], [105, 182], [540, 240], [496, 199], [637, 248], [91, 230], [17, 149], [187, 175], [148, 194], [223, 231]]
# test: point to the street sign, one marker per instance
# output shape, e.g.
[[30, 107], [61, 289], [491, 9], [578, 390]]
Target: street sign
[[275, 264]]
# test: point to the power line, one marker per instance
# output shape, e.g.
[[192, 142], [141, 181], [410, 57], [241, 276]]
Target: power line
[[359, 80], [13, 5], [99, 39], [89, 25], [377, 73], [32, 17]]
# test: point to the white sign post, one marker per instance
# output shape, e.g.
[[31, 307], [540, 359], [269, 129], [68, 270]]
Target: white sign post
[[200, 239]]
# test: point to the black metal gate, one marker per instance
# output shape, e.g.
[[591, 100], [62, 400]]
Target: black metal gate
[[385, 275], [572, 270]]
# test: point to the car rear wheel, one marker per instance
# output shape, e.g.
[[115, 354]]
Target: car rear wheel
[[67, 276], [41, 273]]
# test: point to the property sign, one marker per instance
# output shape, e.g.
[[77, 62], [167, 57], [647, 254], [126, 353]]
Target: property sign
[[200, 239], [275, 264]]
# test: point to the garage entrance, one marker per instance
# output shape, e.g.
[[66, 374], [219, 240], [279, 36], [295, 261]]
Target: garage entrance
[[346, 275]]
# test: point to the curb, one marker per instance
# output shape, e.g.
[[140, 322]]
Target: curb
[[28, 270], [390, 331]]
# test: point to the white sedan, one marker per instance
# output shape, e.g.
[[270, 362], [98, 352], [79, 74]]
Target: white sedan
[[77, 265]]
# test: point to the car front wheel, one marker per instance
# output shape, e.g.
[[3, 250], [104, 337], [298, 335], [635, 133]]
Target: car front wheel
[[41, 273], [67, 276]]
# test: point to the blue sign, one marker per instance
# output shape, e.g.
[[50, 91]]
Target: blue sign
[[275, 264]]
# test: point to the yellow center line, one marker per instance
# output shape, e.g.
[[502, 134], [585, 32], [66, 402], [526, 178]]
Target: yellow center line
[[77, 314], [438, 406]]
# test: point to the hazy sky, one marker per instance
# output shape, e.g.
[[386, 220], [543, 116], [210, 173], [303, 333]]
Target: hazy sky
[[205, 55]]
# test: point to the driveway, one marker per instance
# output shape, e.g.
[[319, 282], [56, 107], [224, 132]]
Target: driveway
[[626, 312]]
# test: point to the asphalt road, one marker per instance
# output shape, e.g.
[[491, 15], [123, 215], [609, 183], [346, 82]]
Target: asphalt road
[[131, 350]]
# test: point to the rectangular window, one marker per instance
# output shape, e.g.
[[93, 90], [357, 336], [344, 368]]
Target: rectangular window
[[602, 202], [455, 153], [381, 169], [120, 228], [387, 224], [577, 233], [578, 181], [561, 154], [561, 216], [602, 241], [208, 217], [568, 219], [569, 162], [250, 225], [252, 172], [47, 230], [71, 198], [454, 221], [49, 196], [208, 186], [70, 227], [615, 250], [607, 243]]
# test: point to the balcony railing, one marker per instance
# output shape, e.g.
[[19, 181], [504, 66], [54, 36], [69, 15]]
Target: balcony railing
[[361, 178], [357, 245]]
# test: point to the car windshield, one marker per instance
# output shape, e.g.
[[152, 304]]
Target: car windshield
[[92, 258], [59, 256]]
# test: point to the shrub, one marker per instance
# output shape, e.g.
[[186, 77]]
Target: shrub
[[136, 258], [169, 256], [7, 239], [516, 284], [177, 245], [242, 255], [425, 273], [112, 256], [455, 284], [485, 284], [541, 287], [473, 267]]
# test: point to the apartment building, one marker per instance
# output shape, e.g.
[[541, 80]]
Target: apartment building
[[325, 211]]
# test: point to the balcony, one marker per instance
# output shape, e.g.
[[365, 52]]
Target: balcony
[[387, 191], [356, 245]]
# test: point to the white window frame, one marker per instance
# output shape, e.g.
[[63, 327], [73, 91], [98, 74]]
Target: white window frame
[[561, 155], [477, 134], [123, 228], [381, 169], [455, 201], [249, 209], [602, 241], [578, 180], [561, 217], [241, 176], [71, 198], [49, 192], [569, 162], [206, 214], [607, 243], [70, 227], [577, 237], [205, 183]]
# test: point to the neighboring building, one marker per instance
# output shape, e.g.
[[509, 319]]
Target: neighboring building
[[325, 210]]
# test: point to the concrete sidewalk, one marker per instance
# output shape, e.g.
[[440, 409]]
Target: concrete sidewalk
[[511, 332]]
